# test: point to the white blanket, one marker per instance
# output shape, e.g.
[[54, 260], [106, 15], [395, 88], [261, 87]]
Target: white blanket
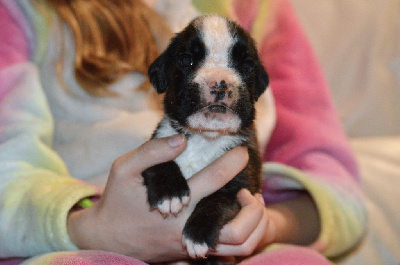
[[358, 45]]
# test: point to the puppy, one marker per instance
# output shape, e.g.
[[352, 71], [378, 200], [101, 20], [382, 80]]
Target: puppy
[[212, 76]]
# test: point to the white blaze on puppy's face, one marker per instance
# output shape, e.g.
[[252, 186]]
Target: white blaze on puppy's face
[[218, 82], [217, 39]]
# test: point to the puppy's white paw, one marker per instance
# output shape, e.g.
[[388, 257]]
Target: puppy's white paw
[[195, 250], [173, 206]]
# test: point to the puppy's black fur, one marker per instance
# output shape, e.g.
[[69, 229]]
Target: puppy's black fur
[[199, 109]]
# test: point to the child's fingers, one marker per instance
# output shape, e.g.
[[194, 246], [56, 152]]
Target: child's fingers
[[218, 173], [151, 153], [240, 228], [253, 242]]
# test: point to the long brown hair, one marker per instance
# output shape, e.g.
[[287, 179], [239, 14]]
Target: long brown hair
[[112, 38]]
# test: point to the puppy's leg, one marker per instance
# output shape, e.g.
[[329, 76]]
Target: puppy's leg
[[167, 189], [202, 229]]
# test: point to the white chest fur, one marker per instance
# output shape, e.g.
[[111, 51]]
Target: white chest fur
[[200, 151]]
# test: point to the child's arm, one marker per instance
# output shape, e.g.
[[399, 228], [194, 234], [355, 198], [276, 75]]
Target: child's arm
[[308, 146], [36, 192]]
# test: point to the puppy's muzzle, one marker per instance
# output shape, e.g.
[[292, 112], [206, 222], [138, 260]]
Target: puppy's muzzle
[[219, 93], [218, 85], [217, 113]]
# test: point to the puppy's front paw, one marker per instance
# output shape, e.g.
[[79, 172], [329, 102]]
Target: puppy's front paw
[[172, 205], [199, 237], [169, 200], [167, 189], [195, 250]]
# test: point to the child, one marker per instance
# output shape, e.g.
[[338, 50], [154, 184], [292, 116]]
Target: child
[[74, 99]]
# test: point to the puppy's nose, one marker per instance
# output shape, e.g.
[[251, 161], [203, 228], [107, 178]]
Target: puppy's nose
[[219, 84], [220, 90]]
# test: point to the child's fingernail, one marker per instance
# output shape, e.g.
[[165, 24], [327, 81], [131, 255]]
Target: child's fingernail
[[175, 140], [260, 198]]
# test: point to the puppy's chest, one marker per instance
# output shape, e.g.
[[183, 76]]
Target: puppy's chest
[[200, 151]]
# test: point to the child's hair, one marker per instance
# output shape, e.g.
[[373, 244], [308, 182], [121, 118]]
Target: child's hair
[[112, 38]]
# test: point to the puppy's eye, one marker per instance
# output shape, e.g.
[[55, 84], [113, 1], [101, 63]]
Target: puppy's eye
[[197, 47], [185, 60], [249, 65]]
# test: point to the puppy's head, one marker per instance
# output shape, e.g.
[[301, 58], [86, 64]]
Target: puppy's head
[[212, 76]]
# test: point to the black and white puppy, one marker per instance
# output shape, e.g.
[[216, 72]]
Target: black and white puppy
[[212, 77]]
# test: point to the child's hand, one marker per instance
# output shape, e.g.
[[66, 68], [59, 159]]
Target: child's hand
[[250, 230], [294, 221], [121, 221]]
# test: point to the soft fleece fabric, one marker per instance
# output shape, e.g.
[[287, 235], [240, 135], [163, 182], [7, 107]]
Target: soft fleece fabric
[[306, 151]]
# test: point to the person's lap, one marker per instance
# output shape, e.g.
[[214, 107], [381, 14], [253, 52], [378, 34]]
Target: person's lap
[[284, 256]]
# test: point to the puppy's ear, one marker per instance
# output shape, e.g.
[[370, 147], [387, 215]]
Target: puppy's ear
[[262, 81], [158, 73]]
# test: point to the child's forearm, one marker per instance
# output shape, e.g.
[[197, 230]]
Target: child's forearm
[[296, 220]]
